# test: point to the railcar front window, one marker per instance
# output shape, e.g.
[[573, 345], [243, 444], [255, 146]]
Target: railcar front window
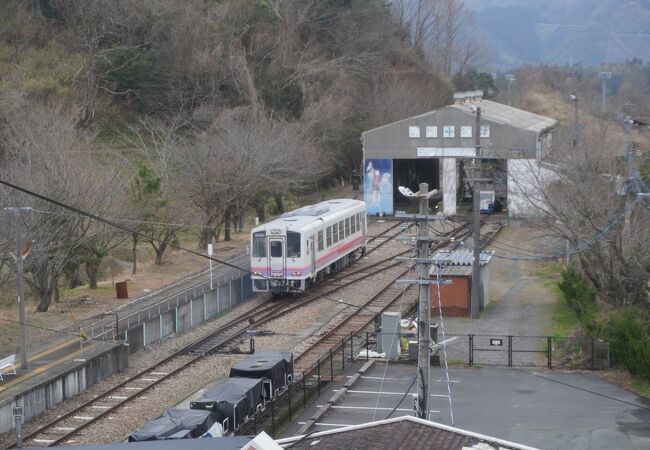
[[276, 249], [259, 245], [293, 244]]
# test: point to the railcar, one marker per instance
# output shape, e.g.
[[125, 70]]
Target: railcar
[[301, 247]]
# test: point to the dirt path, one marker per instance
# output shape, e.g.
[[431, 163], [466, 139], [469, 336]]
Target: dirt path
[[521, 304]]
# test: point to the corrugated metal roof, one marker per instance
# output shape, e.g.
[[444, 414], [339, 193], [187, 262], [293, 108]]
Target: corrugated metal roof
[[461, 257], [509, 115]]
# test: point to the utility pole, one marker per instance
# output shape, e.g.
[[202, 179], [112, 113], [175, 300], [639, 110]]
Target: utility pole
[[510, 79], [476, 213], [628, 122], [424, 309], [575, 120], [424, 299], [18, 258], [604, 76]]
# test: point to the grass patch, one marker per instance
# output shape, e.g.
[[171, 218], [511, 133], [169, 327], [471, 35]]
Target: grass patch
[[641, 387], [564, 319]]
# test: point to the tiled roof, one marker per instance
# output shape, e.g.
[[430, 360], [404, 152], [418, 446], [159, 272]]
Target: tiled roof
[[408, 433]]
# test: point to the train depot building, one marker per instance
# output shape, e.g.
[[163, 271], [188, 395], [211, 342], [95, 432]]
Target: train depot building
[[437, 147]]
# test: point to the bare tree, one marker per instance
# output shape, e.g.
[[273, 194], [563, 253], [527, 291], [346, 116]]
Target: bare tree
[[49, 156], [580, 200], [441, 31], [155, 209], [239, 157]]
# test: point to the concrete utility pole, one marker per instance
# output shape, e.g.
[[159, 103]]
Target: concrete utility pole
[[510, 79], [424, 309], [424, 300], [604, 76], [476, 213], [575, 120], [18, 258], [628, 122]]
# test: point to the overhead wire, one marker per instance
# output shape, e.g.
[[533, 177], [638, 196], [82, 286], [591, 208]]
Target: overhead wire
[[444, 343], [583, 245], [381, 385], [119, 226]]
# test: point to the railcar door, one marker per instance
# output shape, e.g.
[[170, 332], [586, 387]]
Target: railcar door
[[276, 257], [312, 248]]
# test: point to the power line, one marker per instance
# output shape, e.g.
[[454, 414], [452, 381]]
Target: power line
[[586, 243], [118, 226], [444, 342]]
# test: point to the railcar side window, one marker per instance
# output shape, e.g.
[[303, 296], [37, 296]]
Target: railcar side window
[[320, 240], [329, 236], [342, 230], [293, 244], [259, 244], [276, 249], [347, 227], [335, 233], [353, 224]]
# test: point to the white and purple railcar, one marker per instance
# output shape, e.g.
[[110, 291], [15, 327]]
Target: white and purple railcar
[[300, 247]]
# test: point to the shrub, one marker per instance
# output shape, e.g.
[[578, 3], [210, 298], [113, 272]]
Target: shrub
[[581, 298], [629, 343]]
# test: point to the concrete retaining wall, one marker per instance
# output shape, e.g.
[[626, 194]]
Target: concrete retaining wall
[[199, 305], [50, 388]]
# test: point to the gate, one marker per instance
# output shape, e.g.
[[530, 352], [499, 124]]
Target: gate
[[529, 351]]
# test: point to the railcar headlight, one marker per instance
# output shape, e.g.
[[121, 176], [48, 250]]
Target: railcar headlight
[[297, 274], [257, 273]]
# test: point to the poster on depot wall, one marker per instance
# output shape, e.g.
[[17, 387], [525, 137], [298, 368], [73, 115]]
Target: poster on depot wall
[[378, 188]]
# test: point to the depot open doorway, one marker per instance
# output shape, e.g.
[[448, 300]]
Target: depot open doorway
[[411, 172]]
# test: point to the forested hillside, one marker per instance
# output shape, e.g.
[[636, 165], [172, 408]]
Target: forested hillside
[[194, 111]]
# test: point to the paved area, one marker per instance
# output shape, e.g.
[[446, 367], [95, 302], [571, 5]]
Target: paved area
[[520, 304], [542, 409], [50, 364]]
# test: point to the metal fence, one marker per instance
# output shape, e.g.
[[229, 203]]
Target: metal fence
[[307, 387], [529, 351], [471, 349]]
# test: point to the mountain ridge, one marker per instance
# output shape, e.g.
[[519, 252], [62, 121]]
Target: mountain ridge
[[563, 32]]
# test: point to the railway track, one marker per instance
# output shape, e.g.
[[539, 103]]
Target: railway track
[[65, 427], [365, 313]]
